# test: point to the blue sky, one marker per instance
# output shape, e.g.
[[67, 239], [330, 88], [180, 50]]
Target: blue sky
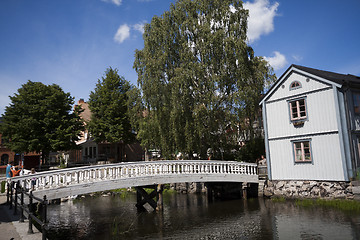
[[72, 42]]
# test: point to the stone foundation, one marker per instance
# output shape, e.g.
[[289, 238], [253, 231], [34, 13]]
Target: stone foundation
[[192, 187], [308, 189]]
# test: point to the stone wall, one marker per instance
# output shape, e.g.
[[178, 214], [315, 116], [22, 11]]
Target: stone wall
[[308, 189], [188, 187]]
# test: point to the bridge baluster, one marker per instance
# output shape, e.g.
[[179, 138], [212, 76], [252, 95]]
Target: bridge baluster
[[97, 174], [66, 177]]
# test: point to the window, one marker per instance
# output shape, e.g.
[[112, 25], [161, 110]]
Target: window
[[356, 99], [4, 159], [302, 151], [295, 85], [297, 109], [90, 152]]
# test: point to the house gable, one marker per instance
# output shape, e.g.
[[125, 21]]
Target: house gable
[[305, 82]]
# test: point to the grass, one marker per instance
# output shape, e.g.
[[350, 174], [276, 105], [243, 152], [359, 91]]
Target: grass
[[342, 204], [278, 199]]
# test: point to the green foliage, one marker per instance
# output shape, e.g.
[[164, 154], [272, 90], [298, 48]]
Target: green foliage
[[357, 177], [40, 119], [252, 150], [169, 191], [3, 183], [199, 82], [122, 192], [62, 162], [109, 107]]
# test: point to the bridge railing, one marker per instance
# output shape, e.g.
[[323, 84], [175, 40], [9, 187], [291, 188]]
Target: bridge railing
[[89, 174]]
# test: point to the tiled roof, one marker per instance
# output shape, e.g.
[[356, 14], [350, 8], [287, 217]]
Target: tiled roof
[[331, 76], [336, 78]]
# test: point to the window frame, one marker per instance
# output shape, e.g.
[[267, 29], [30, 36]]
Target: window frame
[[356, 96], [291, 87], [303, 154], [298, 118]]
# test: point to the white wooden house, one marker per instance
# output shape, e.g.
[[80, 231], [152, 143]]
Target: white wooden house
[[312, 125]]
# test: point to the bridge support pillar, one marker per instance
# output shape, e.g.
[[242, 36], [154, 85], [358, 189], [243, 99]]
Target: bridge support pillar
[[244, 190], [143, 197], [209, 192]]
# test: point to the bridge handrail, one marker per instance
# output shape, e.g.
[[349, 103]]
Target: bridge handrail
[[66, 170], [69, 176]]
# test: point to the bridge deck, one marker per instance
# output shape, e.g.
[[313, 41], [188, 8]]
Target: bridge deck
[[83, 180]]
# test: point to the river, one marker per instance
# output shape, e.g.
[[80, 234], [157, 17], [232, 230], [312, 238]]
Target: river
[[191, 216]]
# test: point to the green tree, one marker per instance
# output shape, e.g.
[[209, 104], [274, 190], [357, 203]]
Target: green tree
[[109, 107], [40, 119], [199, 81]]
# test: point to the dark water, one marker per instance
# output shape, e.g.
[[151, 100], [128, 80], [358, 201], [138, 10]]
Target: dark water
[[193, 217]]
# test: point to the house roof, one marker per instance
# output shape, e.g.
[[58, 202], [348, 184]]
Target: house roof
[[332, 78]]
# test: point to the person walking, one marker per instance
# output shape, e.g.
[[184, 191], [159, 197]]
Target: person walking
[[8, 170], [8, 175]]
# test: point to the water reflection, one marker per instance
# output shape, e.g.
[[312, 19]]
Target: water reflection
[[193, 217]]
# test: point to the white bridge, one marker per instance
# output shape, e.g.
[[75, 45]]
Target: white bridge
[[83, 180]]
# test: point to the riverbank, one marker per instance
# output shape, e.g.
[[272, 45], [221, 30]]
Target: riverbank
[[310, 189], [11, 228]]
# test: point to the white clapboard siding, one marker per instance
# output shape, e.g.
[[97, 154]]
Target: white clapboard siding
[[320, 111], [306, 86], [326, 160]]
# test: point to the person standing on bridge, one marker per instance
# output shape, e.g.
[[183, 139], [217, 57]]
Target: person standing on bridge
[[33, 180], [14, 172], [8, 170], [8, 174]]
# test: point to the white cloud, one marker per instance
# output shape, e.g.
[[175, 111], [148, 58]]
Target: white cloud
[[297, 58], [116, 2], [261, 18], [139, 27], [122, 33], [278, 61]]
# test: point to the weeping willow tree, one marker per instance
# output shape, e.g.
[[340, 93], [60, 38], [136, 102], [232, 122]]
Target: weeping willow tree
[[199, 82]]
